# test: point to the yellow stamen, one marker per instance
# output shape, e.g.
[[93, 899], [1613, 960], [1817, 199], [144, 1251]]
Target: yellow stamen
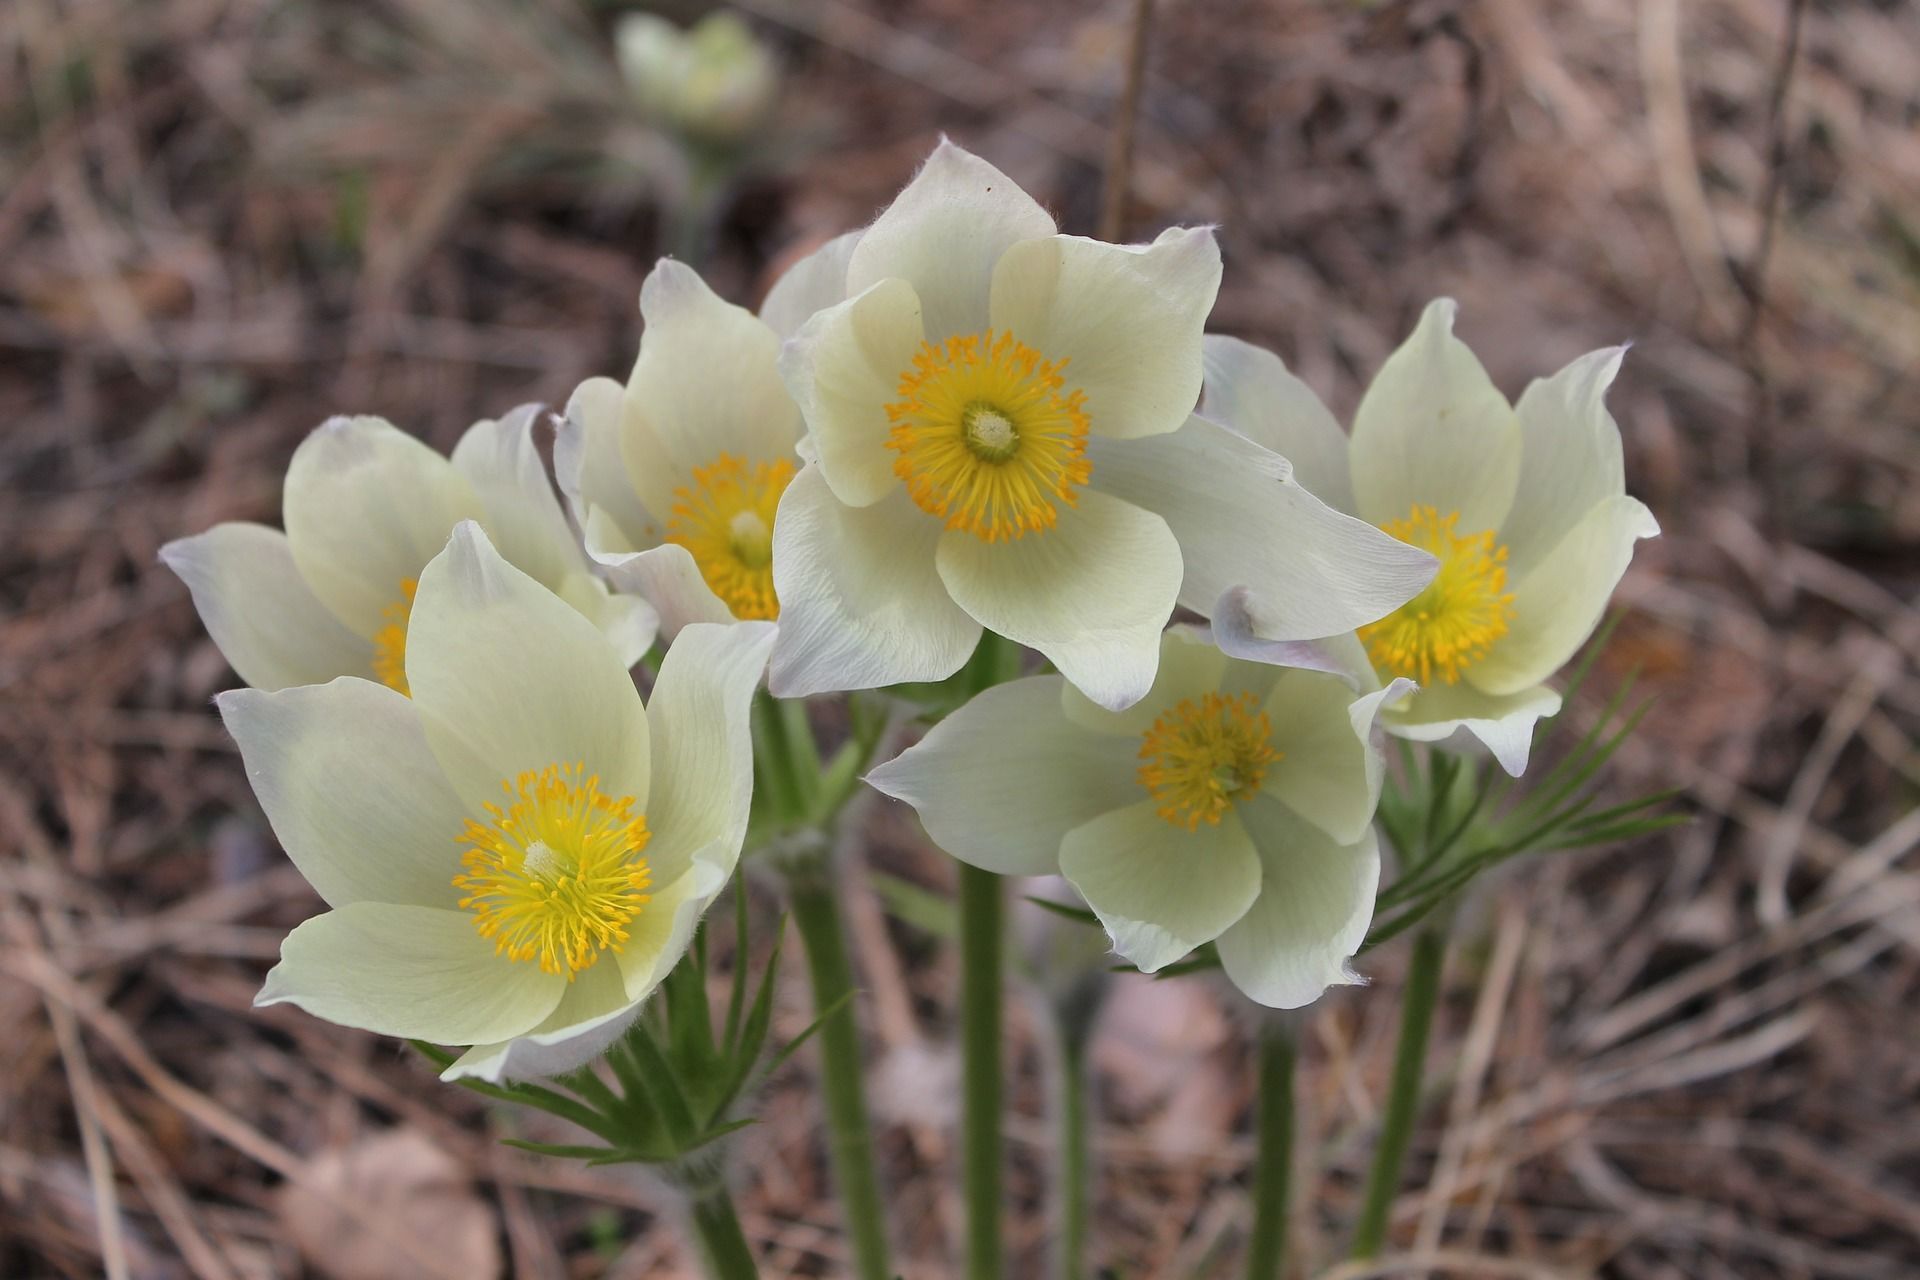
[[1203, 756], [557, 875], [1453, 623], [390, 642], [986, 438], [725, 518]]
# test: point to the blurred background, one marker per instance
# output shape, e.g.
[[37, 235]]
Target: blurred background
[[223, 220]]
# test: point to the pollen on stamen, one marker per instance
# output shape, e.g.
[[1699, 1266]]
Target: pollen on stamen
[[1205, 755], [1454, 622], [725, 520], [390, 642]]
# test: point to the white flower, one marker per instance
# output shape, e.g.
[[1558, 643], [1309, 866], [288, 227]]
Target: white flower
[[515, 856], [1234, 805], [1001, 436], [1525, 506], [366, 507], [676, 476], [715, 81]]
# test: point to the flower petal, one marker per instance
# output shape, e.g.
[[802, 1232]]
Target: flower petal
[[509, 678], [414, 972], [943, 235], [1330, 768], [1316, 901], [366, 506], [1000, 781], [659, 935], [1434, 431], [1159, 889], [1127, 319], [843, 369], [1569, 457], [1250, 390], [1190, 667], [628, 622], [523, 517], [592, 1014], [1558, 604], [814, 283], [1241, 521], [667, 576], [591, 470], [1091, 593], [861, 604], [270, 627], [355, 794], [1235, 630], [1502, 723]]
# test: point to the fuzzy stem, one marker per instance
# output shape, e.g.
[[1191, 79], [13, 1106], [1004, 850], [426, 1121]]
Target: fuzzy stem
[[1074, 1170], [980, 997], [722, 1244], [1273, 1161], [1403, 1098]]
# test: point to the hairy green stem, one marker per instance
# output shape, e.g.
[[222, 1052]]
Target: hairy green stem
[[1403, 1097], [1273, 1159], [980, 979], [722, 1244], [1073, 1168]]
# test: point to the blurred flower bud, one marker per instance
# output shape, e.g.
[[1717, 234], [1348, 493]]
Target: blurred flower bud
[[714, 83]]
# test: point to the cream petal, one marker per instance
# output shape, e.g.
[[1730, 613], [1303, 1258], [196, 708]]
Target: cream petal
[[1503, 723], [629, 623], [814, 283], [366, 506], [1315, 904], [355, 795], [1190, 667], [659, 936], [943, 235], [1159, 889], [1250, 389], [592, 1014], [523, 516], [592, 472], [861, 604], [843, 369], [1000, 781], [1558, 604], [667, 576], [1569, 457], [1330, 767], [1236, 631], [414, 972], [270, 627], [1434, 431], [1241, 521], [1127, 319], [508, 678]]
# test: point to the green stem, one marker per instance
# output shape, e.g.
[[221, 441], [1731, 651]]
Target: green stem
[[722, 1243], [1273, 1163], [980, 976], [1403, 1099], [1074, 1169], [816, 913]]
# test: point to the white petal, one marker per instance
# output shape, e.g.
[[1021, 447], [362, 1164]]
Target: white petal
[[271, 628], [1434, 431], [1127, 319], [592, 1014], [659, 935], [843, 369], [1558, 604], [861, 604], [1250, 389], [509, 678], [814, 283], [1190, 668], [1330, 768], [627, 621], [1000, 781], [667, 576], [523, 515], [1242, 522], [1235, 631], [354, 793], [1503, 724], [1316, 901], [591, 469], [1091, 593], [366, 507], [407, 971], [1569, 457], [943, 235], [1159, 889]]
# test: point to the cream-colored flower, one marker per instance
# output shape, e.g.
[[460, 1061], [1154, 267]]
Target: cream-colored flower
[[514, 857], [713, 82], [1234, 805], [1524, 505], [366, 507], [1001, 435]]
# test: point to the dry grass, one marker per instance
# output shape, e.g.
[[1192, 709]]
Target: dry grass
[[221, 220]]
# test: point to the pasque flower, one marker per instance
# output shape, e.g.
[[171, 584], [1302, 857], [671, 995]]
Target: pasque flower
[[713, 82], [514, 857], [1001, 435], [366, 507], [1233, 804], [1524, 505]]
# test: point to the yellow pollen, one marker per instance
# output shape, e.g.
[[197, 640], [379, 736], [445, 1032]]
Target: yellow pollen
[[1453, 623], [557, 875], [725, 519], [390, 642], [987, 437], [1203, 756]]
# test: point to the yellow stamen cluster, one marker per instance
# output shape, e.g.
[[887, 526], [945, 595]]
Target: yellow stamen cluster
[[725, 519], [986, 436], [557, 875], [1203, 756], [390, 642], [1454, 622]]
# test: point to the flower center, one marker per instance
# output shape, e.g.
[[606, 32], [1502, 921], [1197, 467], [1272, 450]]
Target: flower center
[[725, 519], [1203, 756], [986, 438], [557, 875], [390, 642], [1452, 623]]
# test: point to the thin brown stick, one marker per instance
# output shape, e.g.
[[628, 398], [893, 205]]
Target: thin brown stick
[[1119, 178]]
